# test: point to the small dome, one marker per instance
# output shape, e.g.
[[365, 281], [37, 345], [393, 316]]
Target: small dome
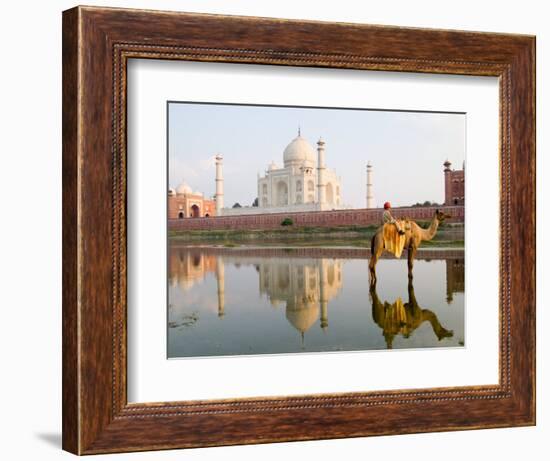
[[171, 192], [183, 188], [197, 193], [272, 166], [299, 152]]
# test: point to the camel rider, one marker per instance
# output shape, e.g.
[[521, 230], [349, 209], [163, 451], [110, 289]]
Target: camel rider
[[387, 218]]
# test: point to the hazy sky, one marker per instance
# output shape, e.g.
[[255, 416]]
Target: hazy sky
[[406, 149]]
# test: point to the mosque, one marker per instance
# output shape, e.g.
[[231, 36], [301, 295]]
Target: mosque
[[454, 185], [303, 183], [183, 202]]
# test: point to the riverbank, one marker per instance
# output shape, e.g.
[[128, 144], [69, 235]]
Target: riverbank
[[448, 236], [183, 250]]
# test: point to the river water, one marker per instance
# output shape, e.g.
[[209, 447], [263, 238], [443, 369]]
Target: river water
[[266, 300]]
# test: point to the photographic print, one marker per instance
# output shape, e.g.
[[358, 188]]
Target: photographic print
[[311, 229]]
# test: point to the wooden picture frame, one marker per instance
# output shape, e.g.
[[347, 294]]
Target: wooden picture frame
[[97, 43]]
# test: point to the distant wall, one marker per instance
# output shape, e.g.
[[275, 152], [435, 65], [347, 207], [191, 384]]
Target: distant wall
[[250, 210], [356, 217]]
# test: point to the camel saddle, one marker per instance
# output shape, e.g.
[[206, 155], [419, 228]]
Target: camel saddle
[[393, 242]]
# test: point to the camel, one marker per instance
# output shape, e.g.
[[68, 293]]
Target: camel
[[414, 236], [404, 319]]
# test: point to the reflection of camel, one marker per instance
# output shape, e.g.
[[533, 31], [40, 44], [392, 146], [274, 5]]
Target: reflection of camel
[[414, 235], [399, 318]]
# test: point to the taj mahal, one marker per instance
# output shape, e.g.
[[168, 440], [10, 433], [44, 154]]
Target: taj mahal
[[303, 183]]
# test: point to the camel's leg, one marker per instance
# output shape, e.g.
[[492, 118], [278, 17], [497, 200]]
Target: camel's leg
[[410, 263]]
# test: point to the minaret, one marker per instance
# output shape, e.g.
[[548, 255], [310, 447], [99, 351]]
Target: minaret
[[219, 184], [448, 183], [370, 193], [321, 186]]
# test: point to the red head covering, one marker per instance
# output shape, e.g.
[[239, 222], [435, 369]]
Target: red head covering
[[387, 205]]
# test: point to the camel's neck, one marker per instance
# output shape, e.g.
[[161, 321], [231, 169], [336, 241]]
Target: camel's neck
[[439, 331], [429, 233]]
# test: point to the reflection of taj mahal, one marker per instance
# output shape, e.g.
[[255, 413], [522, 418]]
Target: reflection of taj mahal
[[304, 286]]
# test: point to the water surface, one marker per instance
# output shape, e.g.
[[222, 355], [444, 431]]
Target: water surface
[[254, 300]]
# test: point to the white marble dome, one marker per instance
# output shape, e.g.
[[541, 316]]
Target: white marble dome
[[183, 188], [299, 152]]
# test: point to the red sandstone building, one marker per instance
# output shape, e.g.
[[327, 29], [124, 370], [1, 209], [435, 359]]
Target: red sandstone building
[[454, 185], [184, 203]]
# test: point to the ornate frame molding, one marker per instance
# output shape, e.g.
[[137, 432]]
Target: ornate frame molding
[[97, 44]]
